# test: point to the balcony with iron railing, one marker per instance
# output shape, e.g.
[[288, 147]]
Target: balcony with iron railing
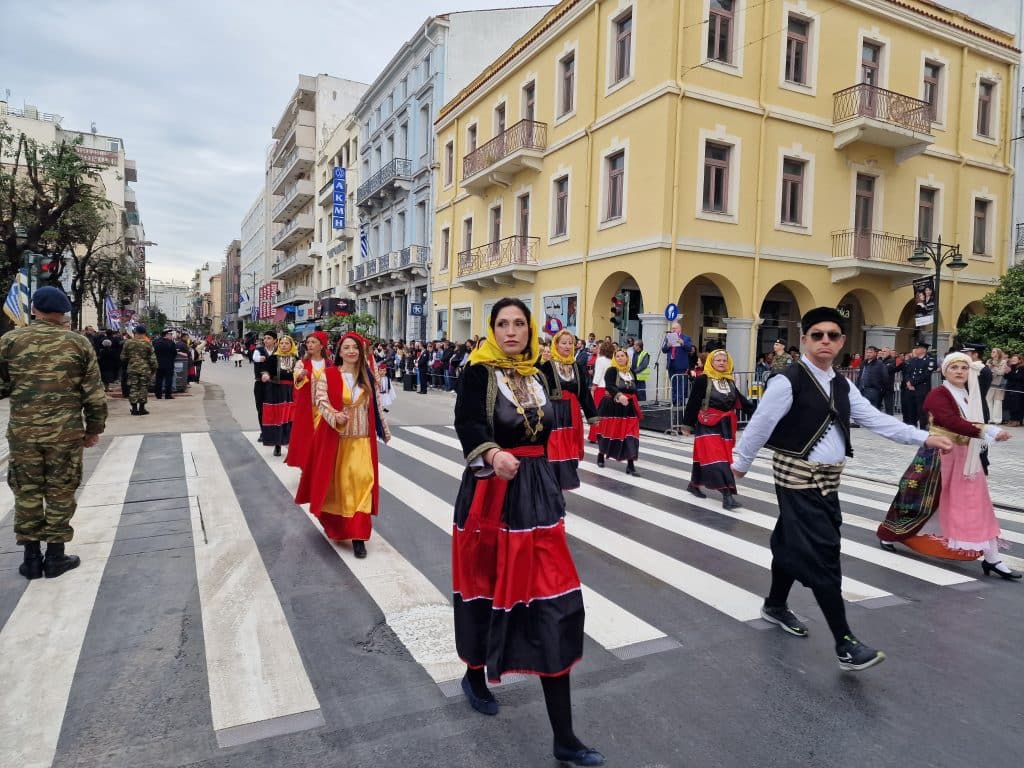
[[1020, 239], [300, 294], [885, 118], [295, 197], [393, 176], [298, 161], [502, 262], [518, 148], [856, 252], [292, 232], [291, 265], [398, 266]]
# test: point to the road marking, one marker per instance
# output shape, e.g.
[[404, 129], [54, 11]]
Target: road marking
[[258, 684], [41, 642], [710, 590]]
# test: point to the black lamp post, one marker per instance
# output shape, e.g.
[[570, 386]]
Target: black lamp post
[[938, 254]]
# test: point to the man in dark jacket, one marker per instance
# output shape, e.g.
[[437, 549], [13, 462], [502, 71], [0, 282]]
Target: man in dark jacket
[[872, 377], [166, 353]]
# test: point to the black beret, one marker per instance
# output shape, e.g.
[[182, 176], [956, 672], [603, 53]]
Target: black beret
[[140, 329], [779, 341], [822, 315], [51, 299]]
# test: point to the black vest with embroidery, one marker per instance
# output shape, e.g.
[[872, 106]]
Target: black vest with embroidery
[[812, 413]]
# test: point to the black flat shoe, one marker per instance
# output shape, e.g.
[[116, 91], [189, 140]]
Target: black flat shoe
[[487, 706], [277, 450], [729, 501], [585, 756], [696, 491], [600, 460], [358, 547], [989, 568]]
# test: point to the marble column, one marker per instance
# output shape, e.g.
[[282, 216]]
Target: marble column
[[880, 336], [739, 342], [944, 338], [654, 328]]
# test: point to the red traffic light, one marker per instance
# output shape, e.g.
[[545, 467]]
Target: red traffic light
[[616, 306]]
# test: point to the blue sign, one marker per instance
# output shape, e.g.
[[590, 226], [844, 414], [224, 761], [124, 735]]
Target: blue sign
[[416, 309], [671, 312], [288, 308], [552, 326], [338, 213]]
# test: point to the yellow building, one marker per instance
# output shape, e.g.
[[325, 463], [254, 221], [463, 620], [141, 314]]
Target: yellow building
[[743, 161]]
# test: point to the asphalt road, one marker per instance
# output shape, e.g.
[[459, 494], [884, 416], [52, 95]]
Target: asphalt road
[[211, 624]]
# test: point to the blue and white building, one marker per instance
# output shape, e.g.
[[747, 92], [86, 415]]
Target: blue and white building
[[390, 275]]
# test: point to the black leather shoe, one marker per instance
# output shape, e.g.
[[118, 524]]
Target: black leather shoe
[[142, 410], [277, 450], [358, 547], [487, 706], [988, 568], [888, 546], [32, 568], [600, 460], [631, 470], [729, 501], [696, 491], [585, 756], [56, 562]]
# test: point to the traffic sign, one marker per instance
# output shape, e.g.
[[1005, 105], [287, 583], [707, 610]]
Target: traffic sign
[[671, 312], [552, 326]]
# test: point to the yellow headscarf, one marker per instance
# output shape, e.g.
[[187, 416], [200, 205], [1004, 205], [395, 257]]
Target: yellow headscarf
[[556, 356], [711, 372], [293, 347], [490, 353], [616, 366]]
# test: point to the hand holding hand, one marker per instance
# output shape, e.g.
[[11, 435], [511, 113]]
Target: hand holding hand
[[505, 465], [265, 377], [299, 374], [1002, 436], [944, 444], [738, 472]]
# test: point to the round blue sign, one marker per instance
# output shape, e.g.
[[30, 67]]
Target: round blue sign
[[671, 312], [552, 326]]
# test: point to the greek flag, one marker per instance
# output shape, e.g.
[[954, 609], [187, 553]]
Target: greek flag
[[112, 313], [16, 305], [364, 242]]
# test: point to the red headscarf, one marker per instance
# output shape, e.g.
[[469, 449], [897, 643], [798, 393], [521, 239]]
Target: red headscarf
[[321, 337]]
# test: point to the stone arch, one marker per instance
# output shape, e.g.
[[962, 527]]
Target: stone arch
[[968, 310], [600, 310], [860, 307], [704, 304], [779, 314]]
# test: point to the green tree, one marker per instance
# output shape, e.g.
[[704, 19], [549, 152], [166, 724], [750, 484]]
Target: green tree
[[259, 327], [360, 322], [155, 321], [114, 275], [1002, 325]]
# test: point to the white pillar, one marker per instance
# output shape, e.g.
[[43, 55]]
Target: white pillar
[[943, 350], [880, 336], [739, 342], [654, 327]]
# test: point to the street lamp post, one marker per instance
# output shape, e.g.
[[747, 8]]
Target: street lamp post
[[938, 254]]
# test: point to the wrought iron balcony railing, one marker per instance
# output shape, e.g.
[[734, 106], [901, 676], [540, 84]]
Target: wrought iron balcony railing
[[399, 167], [1020, 238], [509, 251], [865, 100], [526, 134], [868, 245]]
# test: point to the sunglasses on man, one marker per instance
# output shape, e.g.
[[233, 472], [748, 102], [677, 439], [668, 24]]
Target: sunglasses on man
[[819, 335]]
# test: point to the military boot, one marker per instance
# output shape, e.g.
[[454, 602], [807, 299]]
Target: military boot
[[142, 409], [57, 562], [135, 409], [32, 568]]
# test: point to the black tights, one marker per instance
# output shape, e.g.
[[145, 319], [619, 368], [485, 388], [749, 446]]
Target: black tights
[[830, 600], [557, 699]]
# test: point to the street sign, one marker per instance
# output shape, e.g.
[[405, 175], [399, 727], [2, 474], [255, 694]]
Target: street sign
[[340, 191], [671, 312], [552, 326], [288, 307], [416, 309]]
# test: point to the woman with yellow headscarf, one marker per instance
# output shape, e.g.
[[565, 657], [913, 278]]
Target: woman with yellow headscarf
[[517, 599], [277, 406], [618, 431], [710, 415], [570, 393]]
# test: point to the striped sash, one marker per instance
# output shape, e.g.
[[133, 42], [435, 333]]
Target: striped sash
[[800, 474]]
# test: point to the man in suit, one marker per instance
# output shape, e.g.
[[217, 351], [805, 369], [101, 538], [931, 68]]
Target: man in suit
[[678, 349], [871, 377], [166, 353]]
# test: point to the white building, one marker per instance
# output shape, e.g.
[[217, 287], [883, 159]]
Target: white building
[[395, 195], [172, 298], [253, 258]]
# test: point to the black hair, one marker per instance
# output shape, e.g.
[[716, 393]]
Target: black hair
[[508, 301]]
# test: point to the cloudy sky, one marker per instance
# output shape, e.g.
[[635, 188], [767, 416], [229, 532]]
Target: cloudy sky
[[194, 86]]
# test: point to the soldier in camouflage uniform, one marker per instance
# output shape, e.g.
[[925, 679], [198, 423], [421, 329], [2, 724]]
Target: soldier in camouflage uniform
[[52, 378], [138, 355]]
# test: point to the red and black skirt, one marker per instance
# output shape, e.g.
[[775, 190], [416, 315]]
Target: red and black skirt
[[598, 398], [618, 432], [714, 436], [278, 408], [518, 605], [565, 444]]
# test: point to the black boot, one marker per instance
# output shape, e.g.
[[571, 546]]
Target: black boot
[[277, 450], [631, 469], [32, 568], [600, 459], [142, 409], [57, 562], [729, 500], [359, 548], [135, 409]]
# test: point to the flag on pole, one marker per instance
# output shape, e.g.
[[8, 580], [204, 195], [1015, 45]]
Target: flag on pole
[[16, 305], [364, 241], [112, 313]]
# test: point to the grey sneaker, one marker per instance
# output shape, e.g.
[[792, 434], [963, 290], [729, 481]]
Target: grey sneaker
[[785, 619], [854, 656]]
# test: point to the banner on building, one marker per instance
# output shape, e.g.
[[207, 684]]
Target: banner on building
[[338, 211], [561, 308], [268, 292], [924, 301]]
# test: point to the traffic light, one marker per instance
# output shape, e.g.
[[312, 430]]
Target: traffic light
[[615, 313]]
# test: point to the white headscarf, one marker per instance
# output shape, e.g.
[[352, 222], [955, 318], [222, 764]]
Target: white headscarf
[[973, 412]]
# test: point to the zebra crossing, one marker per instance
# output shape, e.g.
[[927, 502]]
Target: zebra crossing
[[631, 536]]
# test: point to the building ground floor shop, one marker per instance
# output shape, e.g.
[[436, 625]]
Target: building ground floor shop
[[739, 302], [400, 312]]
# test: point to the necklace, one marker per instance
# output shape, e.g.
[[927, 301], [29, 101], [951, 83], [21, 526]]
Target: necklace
[[565, 371], [523, 397]]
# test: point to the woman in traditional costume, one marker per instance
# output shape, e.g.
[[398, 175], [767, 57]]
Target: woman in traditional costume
[[517, 600], [618, 431], [710, 415], [602, 363], [943, 507], [277, 394], [570, 394], [337, 417]]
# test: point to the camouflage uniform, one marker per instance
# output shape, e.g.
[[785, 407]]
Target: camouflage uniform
[[138, 355], [51, 376]]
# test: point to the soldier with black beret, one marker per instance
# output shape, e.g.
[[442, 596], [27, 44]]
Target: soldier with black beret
[[58, 406]]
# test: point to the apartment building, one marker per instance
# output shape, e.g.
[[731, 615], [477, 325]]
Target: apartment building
[[318, 104], [230, 289], [172, 298], [252, 259], [755, 161], [395, 197]]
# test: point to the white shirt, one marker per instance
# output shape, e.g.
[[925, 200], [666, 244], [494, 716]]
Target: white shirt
[[600, 369], [831, 449]]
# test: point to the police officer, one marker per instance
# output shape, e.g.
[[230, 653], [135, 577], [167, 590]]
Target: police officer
[[139, 359], [51, 375], [917, 383]]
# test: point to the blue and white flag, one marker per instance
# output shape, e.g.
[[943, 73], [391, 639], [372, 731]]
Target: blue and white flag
[[17, 303], [364, 241], [113, 313]]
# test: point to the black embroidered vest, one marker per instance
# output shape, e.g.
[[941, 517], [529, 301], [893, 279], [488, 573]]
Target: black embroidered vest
[[813, 411]]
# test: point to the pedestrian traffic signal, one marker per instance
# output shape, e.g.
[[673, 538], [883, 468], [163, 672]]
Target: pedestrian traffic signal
[[615, 313]]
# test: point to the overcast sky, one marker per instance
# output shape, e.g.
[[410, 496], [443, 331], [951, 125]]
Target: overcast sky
[[194, 86]]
